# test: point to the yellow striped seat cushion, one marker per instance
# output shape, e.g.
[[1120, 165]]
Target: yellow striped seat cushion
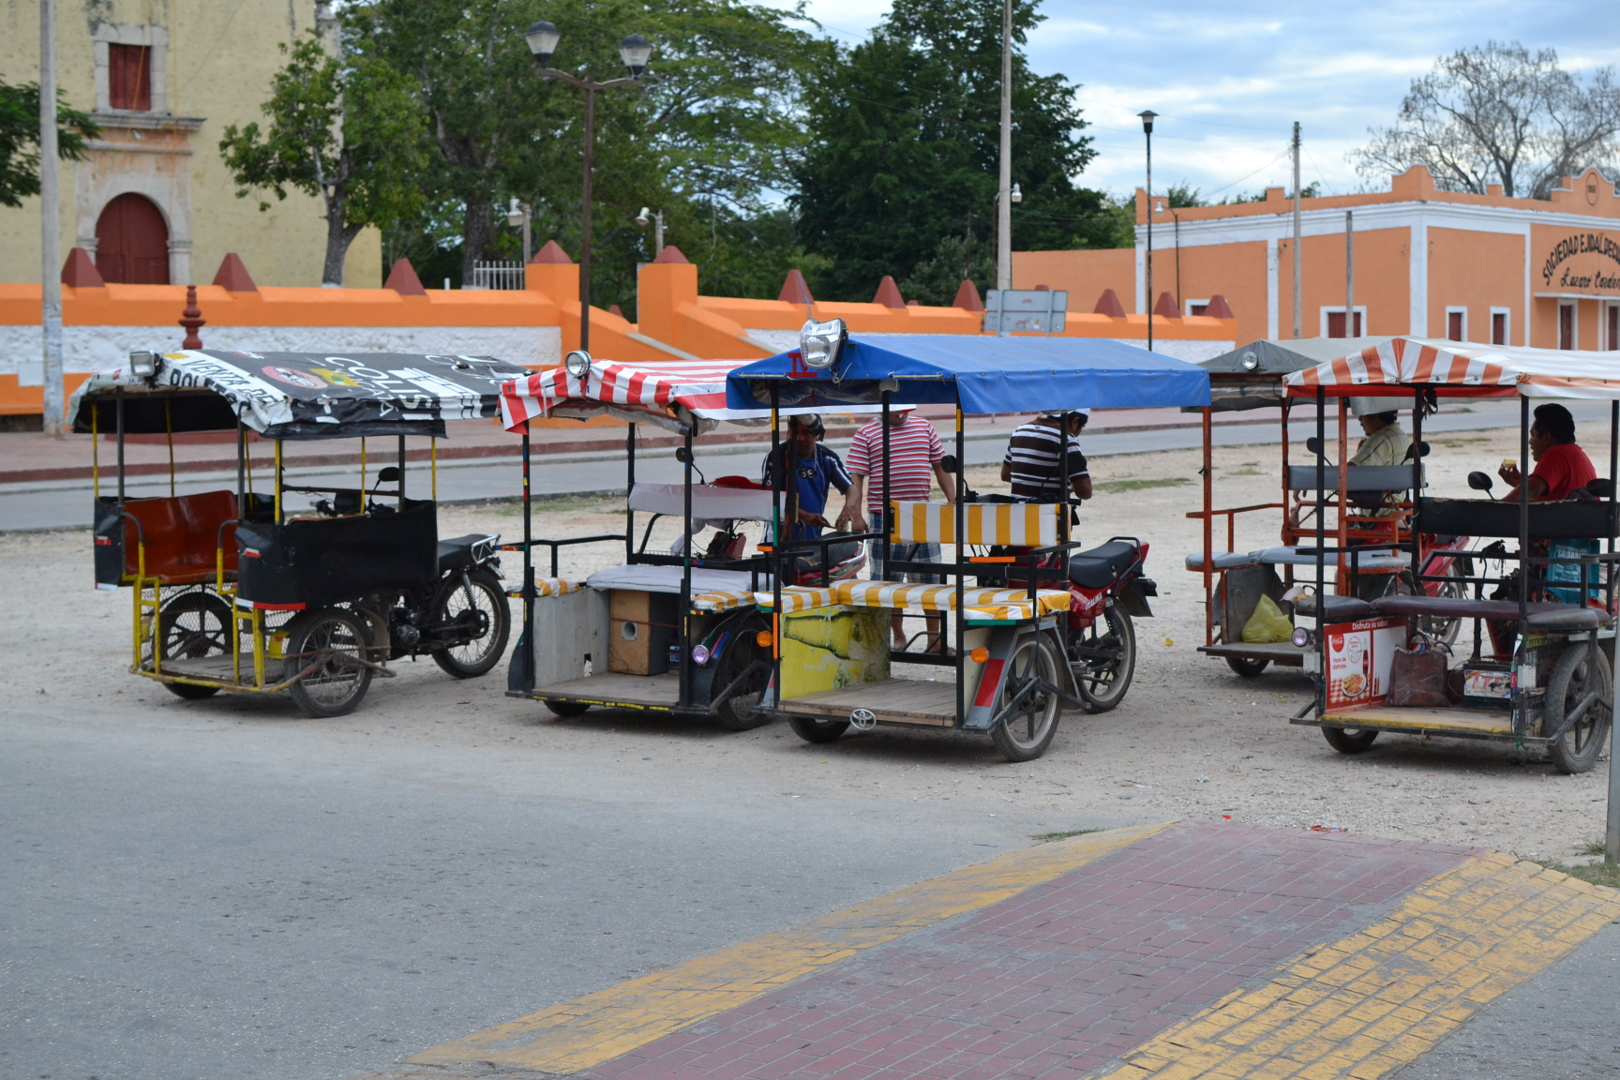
[[722, 599], [936, 598], [800, 598], [1014, 524]]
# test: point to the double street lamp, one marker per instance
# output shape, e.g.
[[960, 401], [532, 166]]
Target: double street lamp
[[635, 50]]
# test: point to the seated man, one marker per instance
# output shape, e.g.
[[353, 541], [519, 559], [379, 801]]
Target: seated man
[[1561, 465], [811, 469], [1386, 442]]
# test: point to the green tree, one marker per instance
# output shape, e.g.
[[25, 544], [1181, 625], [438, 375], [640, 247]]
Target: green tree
[[346, 130], [905, 148], [19, 139], [713, 123]]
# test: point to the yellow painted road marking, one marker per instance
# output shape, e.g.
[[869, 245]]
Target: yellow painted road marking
[[587, 1031], [1364, 1006]]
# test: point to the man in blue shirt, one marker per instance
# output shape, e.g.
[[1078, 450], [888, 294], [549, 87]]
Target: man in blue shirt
[[811, 470]]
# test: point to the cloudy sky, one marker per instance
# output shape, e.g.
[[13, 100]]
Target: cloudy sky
[[1228, 80]]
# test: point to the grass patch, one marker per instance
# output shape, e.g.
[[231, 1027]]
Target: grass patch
[[1597, 873], [1592, 847], [1048, 837], [1115, 486], [1453, 443]]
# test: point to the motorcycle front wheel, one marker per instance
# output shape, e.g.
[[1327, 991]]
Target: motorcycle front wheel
[[1103, 659], [479, 610]]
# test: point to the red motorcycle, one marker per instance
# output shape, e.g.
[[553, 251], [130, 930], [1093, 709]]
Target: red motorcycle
[[1107, 588]]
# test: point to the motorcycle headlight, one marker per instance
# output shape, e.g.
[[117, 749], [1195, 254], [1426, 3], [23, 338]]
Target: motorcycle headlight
[[578, 363], [700, 655], [821, 342], [143, 365], [1301, 637]]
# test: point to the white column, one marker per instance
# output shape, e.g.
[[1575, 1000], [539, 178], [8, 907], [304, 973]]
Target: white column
[[1141, 272], [1524, 323], [1271, 288], [1418, 278]]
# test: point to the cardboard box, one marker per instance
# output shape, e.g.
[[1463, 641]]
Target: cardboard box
[[641, 629]]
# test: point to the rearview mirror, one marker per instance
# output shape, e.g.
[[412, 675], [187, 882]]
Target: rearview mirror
[[1602, 487], [680, 454], [388, 475], [1420, 449], [1314, 445], [948, 462], [1479, 481]]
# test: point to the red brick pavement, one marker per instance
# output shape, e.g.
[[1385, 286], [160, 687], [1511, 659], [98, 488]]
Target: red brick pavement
[[1064, 978]]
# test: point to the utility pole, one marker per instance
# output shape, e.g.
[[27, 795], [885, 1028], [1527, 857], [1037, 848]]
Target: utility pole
[[1299, 307], [1147, 132], [1004, 201], [50, 248], [1350, 274]]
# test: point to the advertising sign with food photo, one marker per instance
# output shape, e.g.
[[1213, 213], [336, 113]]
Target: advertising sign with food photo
[[1358, 659]]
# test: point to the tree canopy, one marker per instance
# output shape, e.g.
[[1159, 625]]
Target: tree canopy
[[1499, 114], [19, 139], [900, 174], [347, 131]]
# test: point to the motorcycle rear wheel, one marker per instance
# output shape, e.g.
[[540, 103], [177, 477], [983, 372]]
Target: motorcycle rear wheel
[[1104, 673]]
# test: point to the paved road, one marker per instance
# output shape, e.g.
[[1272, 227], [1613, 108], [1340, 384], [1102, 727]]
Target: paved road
[[201, 892], [53, 505]]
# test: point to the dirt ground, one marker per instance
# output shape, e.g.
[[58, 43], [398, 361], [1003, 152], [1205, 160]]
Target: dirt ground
[[1190, 740]]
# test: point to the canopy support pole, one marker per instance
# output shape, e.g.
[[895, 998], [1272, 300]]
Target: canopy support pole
[[1321, 542], [525, 673], [402, 472], [685, 669], [1611, 830], [1340, 560], [1524, 512], [629, 489], [778, 482], [95, 451], [168, 432], [1417, 490], [1209, 519], [888, 526], [362, 474], [241, 463], [119, 414], [961, 548], [281, 511]]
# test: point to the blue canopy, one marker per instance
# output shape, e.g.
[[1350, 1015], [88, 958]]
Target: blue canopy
[[986, 374]]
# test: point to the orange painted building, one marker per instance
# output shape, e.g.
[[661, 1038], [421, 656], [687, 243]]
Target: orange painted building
[[1427, 263]]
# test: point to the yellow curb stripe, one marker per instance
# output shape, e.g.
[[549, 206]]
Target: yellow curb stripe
[[595, 1028], [1373, 1002]]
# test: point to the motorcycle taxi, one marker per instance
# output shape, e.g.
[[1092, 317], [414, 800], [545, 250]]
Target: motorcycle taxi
[[676, 632], [1369, 509], [1540, 671], [241, 590], [1020, 650]]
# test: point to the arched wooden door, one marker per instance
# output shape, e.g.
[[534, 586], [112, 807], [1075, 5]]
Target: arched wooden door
[[132, 242]]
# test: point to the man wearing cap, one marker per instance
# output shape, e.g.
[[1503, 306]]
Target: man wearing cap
[[811, 469], [1034, 459], [1386, 443]]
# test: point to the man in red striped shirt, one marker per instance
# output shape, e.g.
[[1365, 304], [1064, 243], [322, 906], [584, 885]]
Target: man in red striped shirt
[[915, 452]]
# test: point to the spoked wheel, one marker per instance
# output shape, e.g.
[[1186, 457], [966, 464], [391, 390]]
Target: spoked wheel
[[741, 711], [1246, 667], [331, 641], [1103, 659], [1573, 678], [1027, 728], [1455, 587], [813, 729], [1350, 740], [477, 610], [195, 625]]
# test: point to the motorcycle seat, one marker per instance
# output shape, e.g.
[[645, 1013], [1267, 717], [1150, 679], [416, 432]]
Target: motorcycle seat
[[811, 560], [1100, 566], [457, 553]]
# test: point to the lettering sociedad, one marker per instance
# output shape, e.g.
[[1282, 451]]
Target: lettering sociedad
[[1575, 244]]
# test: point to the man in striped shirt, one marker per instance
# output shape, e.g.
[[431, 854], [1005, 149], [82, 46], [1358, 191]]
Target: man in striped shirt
[[915, 452], [1034, 461]]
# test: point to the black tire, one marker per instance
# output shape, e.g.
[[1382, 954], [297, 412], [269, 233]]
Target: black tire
[[1105, 660], [195, 625], [1578, 749], [566, 709], [816, 730], [1025, 735], [486, 613], [1454, 587], [1246, 667], [1350, 740], [741, 711], [329, 637]]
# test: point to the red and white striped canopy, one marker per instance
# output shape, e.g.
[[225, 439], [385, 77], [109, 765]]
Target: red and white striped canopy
[[641, 391], [1464, 369]]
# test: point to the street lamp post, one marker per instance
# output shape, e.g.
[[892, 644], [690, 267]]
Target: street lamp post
[[1147, 130], [635, 51], [518, 216], [656, 219]]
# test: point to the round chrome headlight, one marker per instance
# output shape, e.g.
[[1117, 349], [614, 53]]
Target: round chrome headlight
[[1301, 637], [700, 655], [578, 363], [1251, 362]]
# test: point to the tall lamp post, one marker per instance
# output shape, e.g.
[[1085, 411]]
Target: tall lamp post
[[1147, 130], [635, 51]]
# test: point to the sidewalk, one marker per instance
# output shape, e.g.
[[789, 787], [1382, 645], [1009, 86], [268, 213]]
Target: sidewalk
[[1179, 950], [27, 457]]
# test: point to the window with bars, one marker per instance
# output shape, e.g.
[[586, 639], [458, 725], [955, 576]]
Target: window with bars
[[129, 77]]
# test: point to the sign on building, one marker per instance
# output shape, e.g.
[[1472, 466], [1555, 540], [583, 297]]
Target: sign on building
[[1025, 311]]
